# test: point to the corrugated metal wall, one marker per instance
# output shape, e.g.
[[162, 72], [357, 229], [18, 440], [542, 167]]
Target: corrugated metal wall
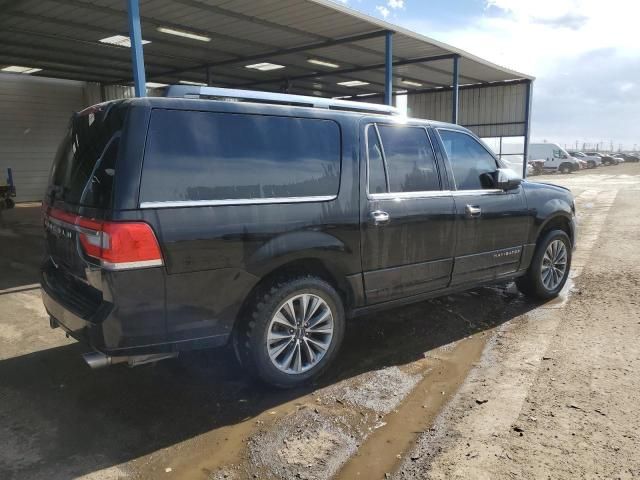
[[111, 92], [34, 112], [488, 111]]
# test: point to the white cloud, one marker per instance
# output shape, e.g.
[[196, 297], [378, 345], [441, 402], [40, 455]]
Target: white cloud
[[584, 53], [396, 3], [382, 10]]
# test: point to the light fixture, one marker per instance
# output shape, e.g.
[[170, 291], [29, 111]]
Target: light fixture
[[156, 85], [323, 63], [366, 94], [19, 69], [182, 33], [189, 82], [264, 66], [120, 41], [353, 83], [411, 83]]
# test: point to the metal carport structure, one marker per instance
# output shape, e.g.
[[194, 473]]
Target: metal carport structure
[[310, 47]]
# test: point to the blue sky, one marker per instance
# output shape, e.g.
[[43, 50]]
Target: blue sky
[[585, 55]]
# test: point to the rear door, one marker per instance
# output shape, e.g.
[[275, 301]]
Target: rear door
[[491, 225], [407, 214]]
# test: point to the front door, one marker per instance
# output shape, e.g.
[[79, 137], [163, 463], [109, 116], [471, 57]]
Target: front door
[[407, 217], [492, 225]]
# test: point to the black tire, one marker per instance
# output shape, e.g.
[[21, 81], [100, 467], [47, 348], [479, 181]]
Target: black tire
[[531, 283], [250, 338], [565, 168], [591, 164]]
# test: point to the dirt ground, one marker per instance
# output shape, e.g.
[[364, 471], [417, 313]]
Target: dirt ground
[[479, 385]]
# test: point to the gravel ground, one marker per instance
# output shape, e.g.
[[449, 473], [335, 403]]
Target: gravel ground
[[478, 385], [555, 393]]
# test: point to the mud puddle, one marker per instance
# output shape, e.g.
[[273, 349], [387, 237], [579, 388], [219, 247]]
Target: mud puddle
[[385, 447]]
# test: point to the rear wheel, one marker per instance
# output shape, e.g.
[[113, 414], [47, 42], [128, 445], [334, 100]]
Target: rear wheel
[[565, 168], [293, 332], [549, 267]]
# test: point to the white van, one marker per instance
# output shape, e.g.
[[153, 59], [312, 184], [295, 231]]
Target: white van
[[555, 157]]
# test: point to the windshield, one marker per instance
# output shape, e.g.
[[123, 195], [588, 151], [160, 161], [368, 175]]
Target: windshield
[[84, 166]]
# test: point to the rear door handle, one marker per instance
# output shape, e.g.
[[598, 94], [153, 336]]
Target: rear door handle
[[379, 217], [472, 211]]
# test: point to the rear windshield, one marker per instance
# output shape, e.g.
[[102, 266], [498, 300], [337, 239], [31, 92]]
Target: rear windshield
[[221, 156], [84, 166]]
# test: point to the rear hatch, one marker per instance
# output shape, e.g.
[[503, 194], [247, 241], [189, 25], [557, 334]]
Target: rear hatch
[[81, 184]]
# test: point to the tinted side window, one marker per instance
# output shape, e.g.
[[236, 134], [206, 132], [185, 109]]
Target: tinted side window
[[410, 160], [221, 156], [469, 159], [377, 179]]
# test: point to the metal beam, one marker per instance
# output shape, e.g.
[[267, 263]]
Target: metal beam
[[499, 83], [388, 68], [155, 23], [455, 87], [93, 29], [463, 87], [376, 66], [281, 51], [51, 64], [527, 125], [137, 56], [284, 28]]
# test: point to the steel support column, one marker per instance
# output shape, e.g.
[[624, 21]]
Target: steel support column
[[455, 87], [137, 57], [527, 126], [388, 69], [210, 76]]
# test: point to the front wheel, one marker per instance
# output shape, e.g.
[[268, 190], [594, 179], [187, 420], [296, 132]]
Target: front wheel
[[293, 332], [549, 267]]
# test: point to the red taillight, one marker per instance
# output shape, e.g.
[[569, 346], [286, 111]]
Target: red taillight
[[117, 245]]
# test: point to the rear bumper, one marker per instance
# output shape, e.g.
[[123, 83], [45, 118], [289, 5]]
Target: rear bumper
[[133, 325]]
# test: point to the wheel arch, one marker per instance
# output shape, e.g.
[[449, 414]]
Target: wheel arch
[[297, 267], [559, 221]]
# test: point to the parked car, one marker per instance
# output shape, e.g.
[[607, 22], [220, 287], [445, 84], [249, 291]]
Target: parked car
[[629, 157], [193, 222], [606, 159], [592, 161], [556, 158]]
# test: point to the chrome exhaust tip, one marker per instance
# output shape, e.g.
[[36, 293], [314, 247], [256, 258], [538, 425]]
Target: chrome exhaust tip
[[96, 360], [100, 360]]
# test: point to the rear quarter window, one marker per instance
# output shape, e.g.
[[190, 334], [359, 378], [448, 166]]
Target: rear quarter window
[[84, 167], [200, 156]]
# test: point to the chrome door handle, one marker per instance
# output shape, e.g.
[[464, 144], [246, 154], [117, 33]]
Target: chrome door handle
[[379, 217], [472, 211]]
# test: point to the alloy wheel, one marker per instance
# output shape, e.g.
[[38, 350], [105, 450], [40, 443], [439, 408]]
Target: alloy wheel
[[554, 265], [300, 333]]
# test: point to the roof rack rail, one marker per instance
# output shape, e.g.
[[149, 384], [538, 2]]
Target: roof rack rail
[[232, 94]]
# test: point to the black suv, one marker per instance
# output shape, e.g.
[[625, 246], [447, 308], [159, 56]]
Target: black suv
[[193, 221]]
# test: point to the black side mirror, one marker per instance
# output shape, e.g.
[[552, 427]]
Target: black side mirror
[[507, 179]]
